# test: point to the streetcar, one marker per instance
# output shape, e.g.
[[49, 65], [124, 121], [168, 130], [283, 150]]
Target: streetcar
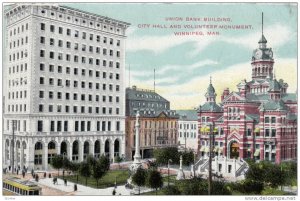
[[21, 187]]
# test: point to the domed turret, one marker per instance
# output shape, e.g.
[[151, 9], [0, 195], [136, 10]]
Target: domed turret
[[211, 93]]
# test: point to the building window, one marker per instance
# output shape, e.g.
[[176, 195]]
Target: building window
[[76, 125], [267, 119], [103, 110], [103, 125], [65, 125], [51, 55], [42, 40], [67, 109], [267, 132], [40, 126], [52, 126], [50, 94], [82, 126], [52, 28], [248, 132], [42, 80], [273, 133], [42, 53], [59, 108], [68, 32], [273, 120], [58, 126], [41, 94], [41, 108], [59, 69], [60, 30], [43, 26], [74, 109], [50, 108]]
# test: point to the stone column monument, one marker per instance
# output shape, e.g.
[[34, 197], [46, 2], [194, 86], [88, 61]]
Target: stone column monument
[[137, 156], [180, 173]]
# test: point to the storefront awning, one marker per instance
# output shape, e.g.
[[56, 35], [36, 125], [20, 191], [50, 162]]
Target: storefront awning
[[216, 149], [257, 152], [220, 149], [202, 149], [206, 149]]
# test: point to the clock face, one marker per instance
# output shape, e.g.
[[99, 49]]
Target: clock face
[[258, 54]]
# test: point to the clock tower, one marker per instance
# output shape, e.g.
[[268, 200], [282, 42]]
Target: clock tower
[[262, 60]]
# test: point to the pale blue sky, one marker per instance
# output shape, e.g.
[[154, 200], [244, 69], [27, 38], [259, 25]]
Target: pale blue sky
[[178, 62]]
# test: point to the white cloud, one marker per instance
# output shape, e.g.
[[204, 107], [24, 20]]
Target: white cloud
[[191, 94], [276, 35]]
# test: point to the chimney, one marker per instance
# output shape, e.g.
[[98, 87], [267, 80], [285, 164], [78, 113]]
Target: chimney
[[225, 93]]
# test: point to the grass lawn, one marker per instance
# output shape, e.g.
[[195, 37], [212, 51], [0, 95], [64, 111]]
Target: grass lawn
[[172, 179], [159, 192], [107, 181]]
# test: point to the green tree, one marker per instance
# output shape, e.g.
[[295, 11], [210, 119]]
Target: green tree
[[187, 158], [162, 155], [100, 168], [139, 178], [85, 170], [57, 162], [154, 180], [74, 167], [105, 162], [98, 171], [289, 169]]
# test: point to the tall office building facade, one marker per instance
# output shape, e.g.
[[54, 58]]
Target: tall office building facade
[[64, 89]]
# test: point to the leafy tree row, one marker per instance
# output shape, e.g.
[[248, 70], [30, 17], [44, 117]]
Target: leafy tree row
[[162, 156], [150, 178], [96, 168]]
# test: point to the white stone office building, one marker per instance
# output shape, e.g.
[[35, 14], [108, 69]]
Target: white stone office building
[[188, 130], [64, 85]]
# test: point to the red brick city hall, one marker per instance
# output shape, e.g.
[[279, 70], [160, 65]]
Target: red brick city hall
[[258, 121]]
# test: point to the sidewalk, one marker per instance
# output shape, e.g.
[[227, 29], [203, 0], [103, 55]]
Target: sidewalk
[[82, 190]]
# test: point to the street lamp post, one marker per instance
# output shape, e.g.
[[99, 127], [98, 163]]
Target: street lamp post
[[169, 161], [211, 145]]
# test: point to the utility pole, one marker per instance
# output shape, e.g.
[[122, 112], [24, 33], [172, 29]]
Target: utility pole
[[210, 159], [13, 146]]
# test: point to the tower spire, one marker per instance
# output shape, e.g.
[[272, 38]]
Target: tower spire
[[210, 79], [154, 79], [262, 23]]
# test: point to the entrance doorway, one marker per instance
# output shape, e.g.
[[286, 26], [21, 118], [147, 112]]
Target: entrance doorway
[[234, 150]]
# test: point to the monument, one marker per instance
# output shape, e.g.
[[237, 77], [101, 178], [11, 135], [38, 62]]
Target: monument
[[137, 156], [180, 173]]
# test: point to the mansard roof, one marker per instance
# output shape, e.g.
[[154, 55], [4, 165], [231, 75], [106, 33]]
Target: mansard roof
[[265, 97], [187, 115], [211, 107], [144, 95], [273, 105]]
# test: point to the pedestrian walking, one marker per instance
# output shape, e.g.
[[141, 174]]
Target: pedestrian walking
[[23, 173], [65, 181], [45, 174], [75, 187]]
